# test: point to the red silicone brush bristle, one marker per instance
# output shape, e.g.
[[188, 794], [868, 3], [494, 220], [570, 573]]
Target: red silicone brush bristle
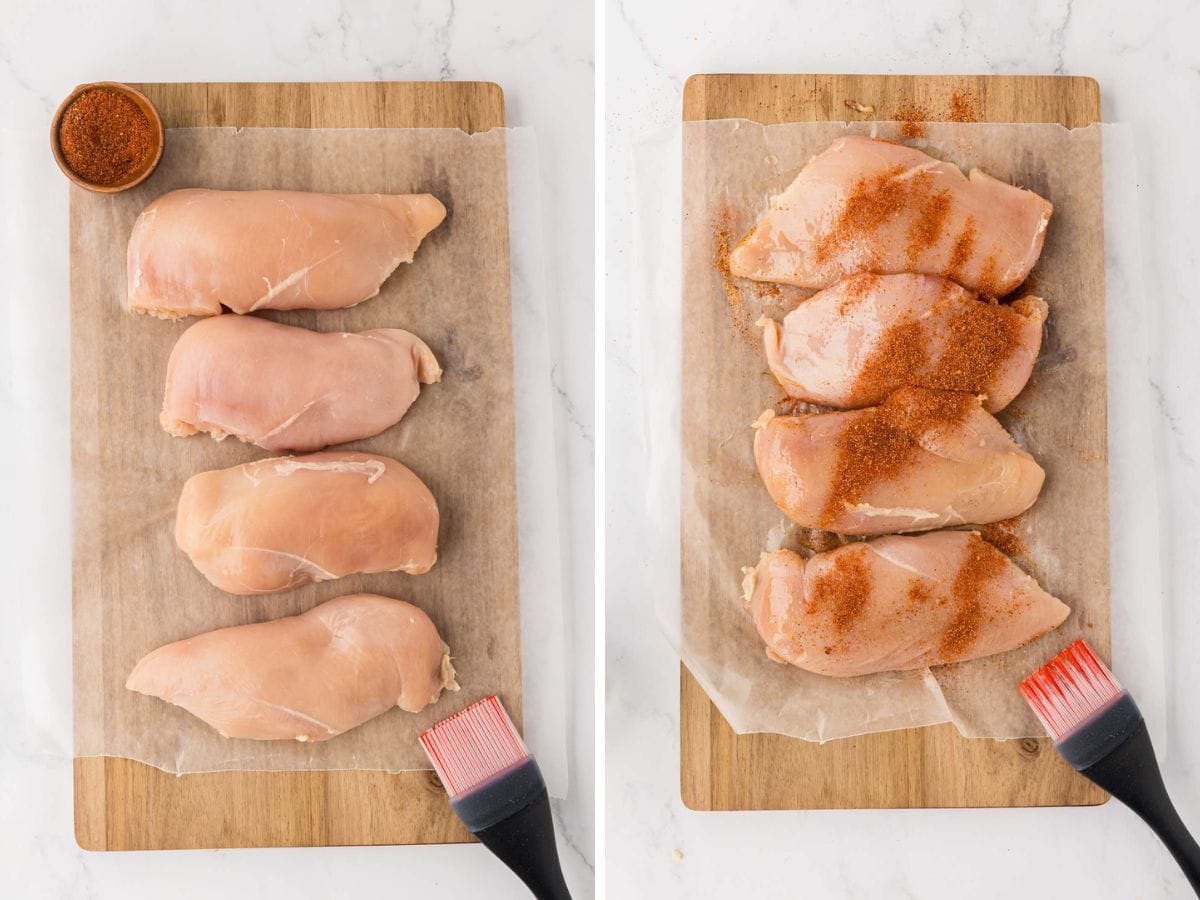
[[473, 745], [1069, 689]]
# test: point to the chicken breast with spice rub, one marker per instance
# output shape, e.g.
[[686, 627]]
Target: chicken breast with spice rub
[[866, 205], [853, 344], [896, 603], [920, 460]]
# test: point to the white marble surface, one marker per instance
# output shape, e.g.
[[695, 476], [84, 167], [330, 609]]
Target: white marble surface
[[541, 53], [1146, 60]]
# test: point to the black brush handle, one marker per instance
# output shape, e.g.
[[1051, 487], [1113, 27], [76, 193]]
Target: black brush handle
[[525, 843], [1130, 773]]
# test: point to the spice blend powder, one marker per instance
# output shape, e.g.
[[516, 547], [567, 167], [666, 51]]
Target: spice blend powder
[[884, 439], [846, 588], [105, 137], [982, 564], [980, 338]]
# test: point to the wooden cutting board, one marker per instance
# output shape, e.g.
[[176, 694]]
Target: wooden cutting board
[[925, 767], [125, 805]]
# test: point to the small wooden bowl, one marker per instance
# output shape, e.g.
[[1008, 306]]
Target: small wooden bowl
[[138, 175]]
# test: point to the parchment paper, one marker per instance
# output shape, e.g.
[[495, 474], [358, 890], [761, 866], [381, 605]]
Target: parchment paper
[[730, 169], [135, 590]]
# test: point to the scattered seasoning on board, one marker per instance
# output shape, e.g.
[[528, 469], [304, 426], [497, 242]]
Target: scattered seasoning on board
[[883, 440], [1015, 411], [741, 316], [105, 137], [767, 289], [845, 586], [912, 118], [964, 107], [722, 256], [982, 564]]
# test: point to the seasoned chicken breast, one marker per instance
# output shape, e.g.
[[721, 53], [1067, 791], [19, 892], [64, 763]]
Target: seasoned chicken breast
[[867, 205], [896, 603], [274, 524], [307, 678], [193, 251], [920, 460], [852, 344], [286, 388]]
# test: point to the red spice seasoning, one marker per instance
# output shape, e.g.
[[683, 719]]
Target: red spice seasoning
[[982, 338], [854, 289], [979, 338], [766, 289], [873, 201], [963, 107], [742, 316], [722, 238], [884, 439], [105, 137], [1004, 536], [926, 229], [846, 587], [912, 119], [983, 563], [919, 593], [964, 246], [900, 358], [989, 278]]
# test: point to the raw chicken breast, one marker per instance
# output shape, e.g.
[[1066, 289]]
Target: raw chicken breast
[[308, 677], [866, 205], [896, 603], [275, 524], [193, 251], [286, 388], [920, 460], [854, 343]]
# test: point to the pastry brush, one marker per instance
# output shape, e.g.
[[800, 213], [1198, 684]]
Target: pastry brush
[[1099, 730], [497, 790]]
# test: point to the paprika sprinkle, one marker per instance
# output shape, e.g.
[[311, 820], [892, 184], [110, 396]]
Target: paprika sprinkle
[[983, 563], [912, 118], [884, 439], [105, 137], [846, 588], [1005, 536], [964, 107], [872, 201], [962, 346], [740, 314]]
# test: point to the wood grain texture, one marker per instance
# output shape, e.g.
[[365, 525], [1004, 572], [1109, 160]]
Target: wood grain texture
[[770, 99], [125, 805], [928, 767]]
